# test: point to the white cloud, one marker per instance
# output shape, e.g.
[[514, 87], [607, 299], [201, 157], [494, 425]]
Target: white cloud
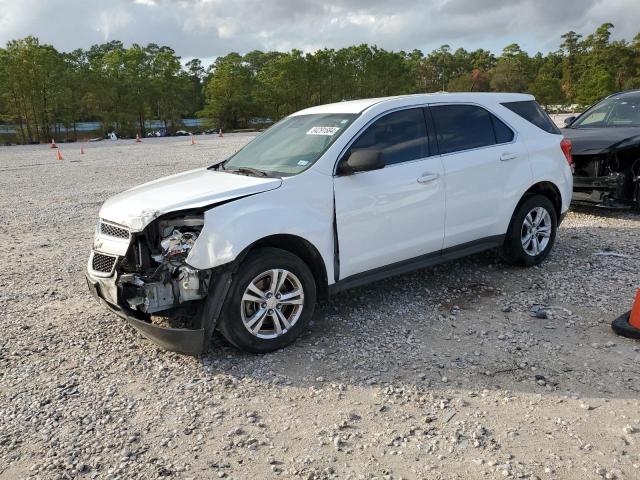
[[207, 28], [113, 20]]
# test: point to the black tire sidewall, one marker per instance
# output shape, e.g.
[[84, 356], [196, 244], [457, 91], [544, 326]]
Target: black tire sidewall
[[513, 251], [255, 263]]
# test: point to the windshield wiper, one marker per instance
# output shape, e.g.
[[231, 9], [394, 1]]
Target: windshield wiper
[[217, 166], [247, 171]]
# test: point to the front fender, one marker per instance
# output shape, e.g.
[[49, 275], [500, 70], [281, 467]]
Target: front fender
[[303, 207]]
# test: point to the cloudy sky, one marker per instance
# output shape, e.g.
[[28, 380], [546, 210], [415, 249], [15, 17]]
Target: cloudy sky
[[208, 28]]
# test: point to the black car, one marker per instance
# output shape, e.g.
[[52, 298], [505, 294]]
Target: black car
[[606, 151]]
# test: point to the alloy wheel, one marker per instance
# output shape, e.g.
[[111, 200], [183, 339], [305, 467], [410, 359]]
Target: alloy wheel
[[536, 231], [272, 303]]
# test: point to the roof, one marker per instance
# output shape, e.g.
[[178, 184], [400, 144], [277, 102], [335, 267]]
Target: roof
[[625, 94], [359, 106]]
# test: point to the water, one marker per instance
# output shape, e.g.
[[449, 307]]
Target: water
[[95, 126]]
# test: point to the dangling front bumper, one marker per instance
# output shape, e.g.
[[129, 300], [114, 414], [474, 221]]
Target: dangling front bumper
[[181, 340]]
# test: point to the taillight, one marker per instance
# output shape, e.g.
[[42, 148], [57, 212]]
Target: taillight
[[566, 145]]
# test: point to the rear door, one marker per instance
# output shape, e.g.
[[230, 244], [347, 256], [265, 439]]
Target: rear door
[[485, 167], [396, 213]]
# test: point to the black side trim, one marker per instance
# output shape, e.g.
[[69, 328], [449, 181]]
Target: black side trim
[[562, 217], [431, 132], [336, 243], [423, 261]]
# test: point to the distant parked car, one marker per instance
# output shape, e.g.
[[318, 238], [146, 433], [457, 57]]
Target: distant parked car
[[606, 151], [330, 198], [181, 133]]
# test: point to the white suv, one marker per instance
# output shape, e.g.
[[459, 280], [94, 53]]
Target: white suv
[[329, 198]]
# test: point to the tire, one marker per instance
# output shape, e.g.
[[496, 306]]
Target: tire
[[532, 208], [252, 304]]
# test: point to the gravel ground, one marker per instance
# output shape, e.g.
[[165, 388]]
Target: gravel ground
[[439, 374], [558, 118]]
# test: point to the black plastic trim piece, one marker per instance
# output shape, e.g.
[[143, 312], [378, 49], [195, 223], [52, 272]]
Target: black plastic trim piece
[[562, 217], [336, 242], [423, 261], [431, 131]]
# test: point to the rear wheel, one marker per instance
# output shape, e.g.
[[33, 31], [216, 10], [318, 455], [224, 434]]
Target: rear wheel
[[532, 232], [270, 302]]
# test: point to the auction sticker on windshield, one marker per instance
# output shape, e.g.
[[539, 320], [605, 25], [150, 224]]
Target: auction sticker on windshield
[[323, 130]]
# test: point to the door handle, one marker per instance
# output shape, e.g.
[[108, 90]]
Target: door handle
[[428, 177], [506, 156]]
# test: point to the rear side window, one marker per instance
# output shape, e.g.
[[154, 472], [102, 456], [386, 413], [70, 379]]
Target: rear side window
[[401, 136], [532, 112], [462, 127], [503, 133]]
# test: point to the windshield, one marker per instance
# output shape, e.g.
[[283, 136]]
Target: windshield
[[291, 145], [612, 112]]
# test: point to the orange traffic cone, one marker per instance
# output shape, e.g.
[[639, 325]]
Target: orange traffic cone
[[59, 155], [220, 134], [628, 325], [634, 316], [81, 150], [53, 143], [193, 139], [138, 138]]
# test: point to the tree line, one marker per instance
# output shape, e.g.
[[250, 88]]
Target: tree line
[[42, 89]]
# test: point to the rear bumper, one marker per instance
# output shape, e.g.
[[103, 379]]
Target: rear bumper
[[181, 340]]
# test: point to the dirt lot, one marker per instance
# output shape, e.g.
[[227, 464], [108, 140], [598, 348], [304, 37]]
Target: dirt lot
[[440, 374]]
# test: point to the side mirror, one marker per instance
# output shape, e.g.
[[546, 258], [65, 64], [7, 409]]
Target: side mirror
[[363, 160], [569, 120]]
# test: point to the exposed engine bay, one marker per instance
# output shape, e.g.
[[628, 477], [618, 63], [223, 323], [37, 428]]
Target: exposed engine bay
[[155, 275], [609, 179]]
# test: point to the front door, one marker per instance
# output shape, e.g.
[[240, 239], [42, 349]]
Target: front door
[[395, 213]]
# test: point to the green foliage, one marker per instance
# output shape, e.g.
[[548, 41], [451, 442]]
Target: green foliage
[[42, 89], [547, 84], [276, 84], [229, 92]]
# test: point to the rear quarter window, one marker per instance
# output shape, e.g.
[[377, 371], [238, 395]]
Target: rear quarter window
[[532, 112], [503, 133]]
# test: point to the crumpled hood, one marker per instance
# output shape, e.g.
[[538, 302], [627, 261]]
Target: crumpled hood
[[139, 206], [592, 141]]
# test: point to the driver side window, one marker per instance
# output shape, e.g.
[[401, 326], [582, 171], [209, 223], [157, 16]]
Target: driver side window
[[401, 136]]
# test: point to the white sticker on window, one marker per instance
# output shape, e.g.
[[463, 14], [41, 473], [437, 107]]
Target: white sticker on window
[[323, 130], [303, 163]]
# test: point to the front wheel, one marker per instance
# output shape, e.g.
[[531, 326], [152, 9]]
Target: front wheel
[[270, 302], [531, 233]]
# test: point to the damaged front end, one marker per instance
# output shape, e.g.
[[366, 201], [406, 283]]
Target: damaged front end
[[155, 275], [145, 278], [609, 179]]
